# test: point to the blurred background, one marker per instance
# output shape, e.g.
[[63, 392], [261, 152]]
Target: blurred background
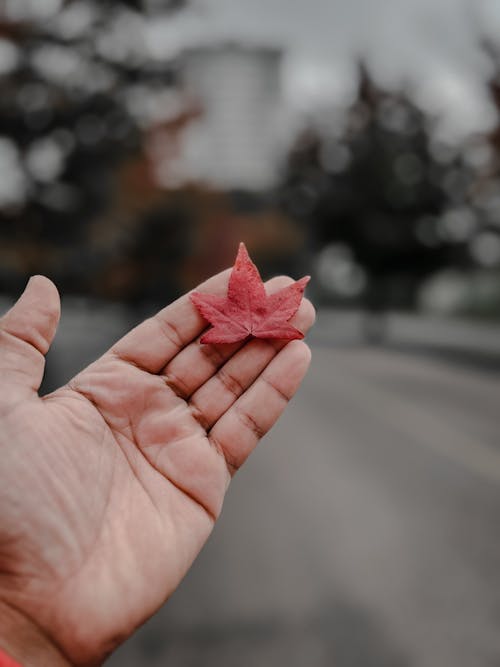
[[355, 140]]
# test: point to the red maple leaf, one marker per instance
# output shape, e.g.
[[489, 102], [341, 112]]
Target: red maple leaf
[[247, 310]]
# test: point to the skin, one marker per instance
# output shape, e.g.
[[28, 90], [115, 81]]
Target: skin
[[110, 486]]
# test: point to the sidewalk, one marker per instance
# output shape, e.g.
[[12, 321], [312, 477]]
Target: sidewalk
[[451, 336]]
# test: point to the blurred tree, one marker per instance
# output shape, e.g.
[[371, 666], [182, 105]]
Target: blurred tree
[[378, 196], [77, 89]]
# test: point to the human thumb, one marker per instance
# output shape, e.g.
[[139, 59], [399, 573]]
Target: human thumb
[[26, 333]]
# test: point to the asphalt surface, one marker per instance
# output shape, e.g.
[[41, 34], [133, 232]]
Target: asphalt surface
[[364, 532]]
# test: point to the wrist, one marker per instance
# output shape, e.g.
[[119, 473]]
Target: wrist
[[26, 643]]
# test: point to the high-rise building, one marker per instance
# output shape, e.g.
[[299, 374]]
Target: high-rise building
[[235, 141]]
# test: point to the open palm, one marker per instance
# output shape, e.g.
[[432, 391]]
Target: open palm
[[110, 486]]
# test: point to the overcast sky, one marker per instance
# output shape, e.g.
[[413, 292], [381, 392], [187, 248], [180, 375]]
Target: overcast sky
[[431, 45]]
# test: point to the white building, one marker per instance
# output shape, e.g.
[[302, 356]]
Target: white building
[[237, 140]]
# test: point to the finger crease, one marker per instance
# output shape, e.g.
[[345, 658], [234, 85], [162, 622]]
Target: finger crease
[[199, 416], [250, 423], [285, 397], [170, 331], [119, 356], [214, 355], [231, 462], [233, 386], [178, 386], [34, 340]]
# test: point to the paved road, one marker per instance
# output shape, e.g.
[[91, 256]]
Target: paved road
[[365, 530]]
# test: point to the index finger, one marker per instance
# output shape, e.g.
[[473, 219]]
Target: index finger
[[154, 342]]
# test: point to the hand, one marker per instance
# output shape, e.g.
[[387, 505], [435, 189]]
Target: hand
[[110, 486]]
